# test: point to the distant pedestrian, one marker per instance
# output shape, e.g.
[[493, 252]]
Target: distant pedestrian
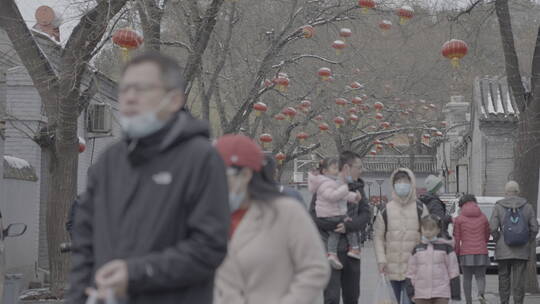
[[471, 235], [514, 227], [331, 205], [270, 174], [397, 230], [432, 266], [152, 225], [435, 205], [275, 253]]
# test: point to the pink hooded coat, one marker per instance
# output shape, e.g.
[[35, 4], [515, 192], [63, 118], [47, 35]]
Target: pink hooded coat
[[431, 268], [332, 196]]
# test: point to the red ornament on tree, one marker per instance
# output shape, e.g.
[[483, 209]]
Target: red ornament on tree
[[324, 127], [259, 108], [308, 31], [366, 5], [353, 117], [345, 33], [265, 139], [325, 73], [339, 121], [302, 136], [379, 106], [385, 25], [341, 101], [127, 39], [280, 157], [454, 50], [356, 85], [357, 100], [405, 13], [339, 45], [82, 145], [306, 104], [379, 116], [319, 117], [279, 117], [289, 112]]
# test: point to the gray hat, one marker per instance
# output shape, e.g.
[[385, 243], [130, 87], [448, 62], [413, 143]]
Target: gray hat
[[433, 183]]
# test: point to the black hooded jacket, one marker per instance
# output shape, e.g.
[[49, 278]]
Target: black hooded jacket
[[160, 204], [438, 208]]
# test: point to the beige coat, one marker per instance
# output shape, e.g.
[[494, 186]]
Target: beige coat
[[394, 245], [276, 256]]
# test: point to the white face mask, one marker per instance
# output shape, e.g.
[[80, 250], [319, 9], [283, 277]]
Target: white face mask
[[402, 189], [236, 198], [144, 124]]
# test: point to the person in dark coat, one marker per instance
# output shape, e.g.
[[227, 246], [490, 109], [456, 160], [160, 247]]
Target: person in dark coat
[[346, 282], [270, 172], [153, 223], [435, 205]]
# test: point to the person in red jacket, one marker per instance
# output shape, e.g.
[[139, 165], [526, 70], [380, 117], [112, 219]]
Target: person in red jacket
[[471, 234]]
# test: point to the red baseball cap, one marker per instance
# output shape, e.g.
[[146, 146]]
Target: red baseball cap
[[240, 151]]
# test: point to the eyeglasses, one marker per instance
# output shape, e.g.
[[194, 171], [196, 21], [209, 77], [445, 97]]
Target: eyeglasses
[[139, 88]]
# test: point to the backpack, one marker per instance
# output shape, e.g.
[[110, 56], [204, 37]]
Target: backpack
[[515, 227], [419, 211]]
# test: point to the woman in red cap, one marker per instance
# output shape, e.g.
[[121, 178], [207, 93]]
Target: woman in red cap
[[275, 252]]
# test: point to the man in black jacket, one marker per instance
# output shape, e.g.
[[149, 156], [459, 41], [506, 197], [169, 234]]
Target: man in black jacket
[[152, 225], [346, 281], [434, 204]]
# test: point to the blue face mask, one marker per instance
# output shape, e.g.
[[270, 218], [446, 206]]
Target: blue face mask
[[402, 189]]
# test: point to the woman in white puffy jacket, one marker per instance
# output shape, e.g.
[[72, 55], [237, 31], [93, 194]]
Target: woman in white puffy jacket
[[397, 230]]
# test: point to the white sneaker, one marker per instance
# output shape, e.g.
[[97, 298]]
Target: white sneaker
[[334, 261]]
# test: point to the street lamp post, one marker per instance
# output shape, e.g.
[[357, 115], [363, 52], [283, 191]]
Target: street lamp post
[[380, 182], [369, 190]]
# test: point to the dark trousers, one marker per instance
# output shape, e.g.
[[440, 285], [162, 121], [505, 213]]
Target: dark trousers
[[512, 280], [345, 281], [400, 291]]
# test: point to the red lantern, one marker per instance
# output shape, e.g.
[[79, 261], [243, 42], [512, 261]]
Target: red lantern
[[405, 13], [308, 31], [385, 25], [306, 104], [341, 101], [319, 117], [366, 5], [385, 125], [282, 82], [345, 33], [357, 100], [373, 152], [289, 112], [454, 50], [127, 39], [302, 136], [377, 142], [391, 145], [339, 45], [265, 139], [379, 148], [259, 108], [426, 136], [356, 85], [444, 124], [378, 106], [325, 73], [279, 117], [365, 108], [339, 121], [439, 134], [280, 157], [353, 111], [379, 116], [353, 117], [324, 127], [82, 145]]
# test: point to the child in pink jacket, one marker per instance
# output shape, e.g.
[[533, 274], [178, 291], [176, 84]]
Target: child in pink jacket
[[432, 266], [331, 205]]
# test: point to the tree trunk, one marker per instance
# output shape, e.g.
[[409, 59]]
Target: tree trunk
[[527, 149]]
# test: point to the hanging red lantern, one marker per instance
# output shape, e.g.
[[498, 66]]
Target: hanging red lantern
[[282, 82], [127, 39], [365, 108], [345, 33], [325, 73], [439, 133], [353, 111], [319, 117], [454, 50], [265, 139], [341, 101], [259, 108], [377, 142], [426, 136], [289, 112], [385, 25], [82, 145], [324, 126], [357, 100], [280, 157], [356, 85], [373, 152], [302, 136], [379, 148], [308, 31], [339, 121], [305, 104], [385, 125], [379, 106], [405, 13], [366, 5], [339, 45], [379, 116], [279, 117], [353, 117]]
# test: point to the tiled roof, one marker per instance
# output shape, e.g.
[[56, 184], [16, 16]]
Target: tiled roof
[[495, 100]]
